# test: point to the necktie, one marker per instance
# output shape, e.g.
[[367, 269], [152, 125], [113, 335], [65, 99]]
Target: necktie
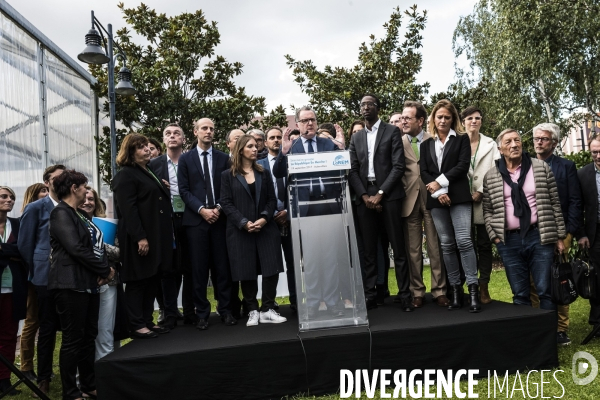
[[315, 187], [207, 183], [415, 147]]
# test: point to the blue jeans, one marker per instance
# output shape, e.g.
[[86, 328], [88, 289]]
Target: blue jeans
[[453, 225], [525, 257]]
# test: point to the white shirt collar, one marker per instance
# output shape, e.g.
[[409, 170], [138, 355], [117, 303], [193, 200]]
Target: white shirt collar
[[451, 133], [304, 140], [271, 158], [200, 151], [374, 128], [53, 201]]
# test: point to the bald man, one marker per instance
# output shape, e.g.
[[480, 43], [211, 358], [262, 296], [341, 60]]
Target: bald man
[[199, 177], [232, 137]]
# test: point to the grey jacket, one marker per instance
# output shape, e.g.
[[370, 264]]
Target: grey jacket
[[550, 220]]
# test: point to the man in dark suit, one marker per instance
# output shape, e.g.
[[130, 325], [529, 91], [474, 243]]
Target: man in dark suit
[[589, 228], [545, 139], [199, 178], [377, 166], [273, 144], [34, 246], [322, 279], [165, 168]]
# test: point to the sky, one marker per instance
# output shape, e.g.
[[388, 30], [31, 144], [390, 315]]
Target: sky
[[258, 33]]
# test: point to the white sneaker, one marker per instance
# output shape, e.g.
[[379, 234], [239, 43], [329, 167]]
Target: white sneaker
[[253, 318], [322, 306], [271, 317]]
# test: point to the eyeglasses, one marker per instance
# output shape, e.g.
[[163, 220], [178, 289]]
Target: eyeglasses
[[407, 118], [541, 139], [473, 119], [307, 120], [367, 104]]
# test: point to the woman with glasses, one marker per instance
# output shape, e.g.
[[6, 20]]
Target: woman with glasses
[[444, 166], [484, 153]]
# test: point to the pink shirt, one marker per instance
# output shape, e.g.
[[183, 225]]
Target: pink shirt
[[512, 222]]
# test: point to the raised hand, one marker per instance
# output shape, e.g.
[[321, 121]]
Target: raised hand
[[286, 143]]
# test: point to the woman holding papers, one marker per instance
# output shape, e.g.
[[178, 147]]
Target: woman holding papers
[[253, 238]]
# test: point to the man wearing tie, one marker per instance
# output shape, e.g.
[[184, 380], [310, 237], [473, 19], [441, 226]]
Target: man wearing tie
[[415, 213], [273, 144], [199, 178], [322, 276]]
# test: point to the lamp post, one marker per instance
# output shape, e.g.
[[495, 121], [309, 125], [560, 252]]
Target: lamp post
[[94, 54]]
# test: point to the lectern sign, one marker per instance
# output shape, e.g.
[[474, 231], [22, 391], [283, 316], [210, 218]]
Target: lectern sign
[[315, 162]]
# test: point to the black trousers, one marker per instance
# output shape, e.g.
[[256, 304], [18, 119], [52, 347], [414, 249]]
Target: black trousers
[[78, 313], [371, 222], [49, 324], [269, 291], [140, 297], [595, 256], [288, 254], [483, 248], [209, 253]]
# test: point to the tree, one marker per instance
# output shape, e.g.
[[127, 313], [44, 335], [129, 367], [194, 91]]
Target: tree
[[385, 67], [537, 59], [177, 76]]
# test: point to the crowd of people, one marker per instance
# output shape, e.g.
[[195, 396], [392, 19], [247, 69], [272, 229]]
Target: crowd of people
[[190, 214]]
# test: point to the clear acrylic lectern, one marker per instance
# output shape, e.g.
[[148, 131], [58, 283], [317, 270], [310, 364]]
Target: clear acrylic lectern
[[326, 264]]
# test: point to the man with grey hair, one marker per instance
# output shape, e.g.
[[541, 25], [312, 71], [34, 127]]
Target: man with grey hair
[[523, 218], [545, 140], [259, 136]]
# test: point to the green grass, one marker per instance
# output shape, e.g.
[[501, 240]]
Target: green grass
[[499, 290]]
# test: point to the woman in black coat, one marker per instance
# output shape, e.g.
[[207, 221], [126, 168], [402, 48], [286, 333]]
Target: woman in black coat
[[444, 164], [253, 239], [13, 293], [145, 233], [78, 267]]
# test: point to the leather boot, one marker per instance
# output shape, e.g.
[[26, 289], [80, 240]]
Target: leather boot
[[484, 293], [457, 297], [475, 306], [44, 386]]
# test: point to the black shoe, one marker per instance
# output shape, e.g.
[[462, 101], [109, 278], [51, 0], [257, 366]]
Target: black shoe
[[4, 385], [202, 324], [30, 375], [294, 307], [160, 329], [398, 299], [161, 317], [170, 323], [335, 311], [475, 304], [179, 315], [371, 304], [147, 335], [456, 301], [191, 320], [407, 305], [562, 339], [228, 320]]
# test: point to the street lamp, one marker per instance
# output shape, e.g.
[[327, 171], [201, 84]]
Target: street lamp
[[94, 54]]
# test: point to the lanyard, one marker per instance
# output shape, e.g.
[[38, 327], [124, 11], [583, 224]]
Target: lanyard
[[473, 161], [154, 176], [84, 219]]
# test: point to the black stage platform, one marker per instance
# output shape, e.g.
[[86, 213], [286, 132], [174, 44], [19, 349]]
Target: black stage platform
[[272, 360]]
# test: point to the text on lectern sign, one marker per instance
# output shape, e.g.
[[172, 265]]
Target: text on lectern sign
[[314, 162]]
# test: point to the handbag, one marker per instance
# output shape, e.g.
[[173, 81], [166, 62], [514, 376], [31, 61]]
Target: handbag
[[562, 285], [585, 275]]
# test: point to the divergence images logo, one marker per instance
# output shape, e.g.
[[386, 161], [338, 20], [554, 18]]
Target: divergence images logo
[[582, 367], [340, 160]]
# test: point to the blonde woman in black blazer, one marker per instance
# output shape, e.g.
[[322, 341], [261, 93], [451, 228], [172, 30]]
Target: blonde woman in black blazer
[[253, 238], [444, 166]]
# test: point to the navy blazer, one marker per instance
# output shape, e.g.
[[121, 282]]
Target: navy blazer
[[267, 165], [34, 239], [569, 193], [192, 188]]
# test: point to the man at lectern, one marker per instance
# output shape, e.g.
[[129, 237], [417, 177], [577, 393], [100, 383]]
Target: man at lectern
[[377, 166], [321, 277]]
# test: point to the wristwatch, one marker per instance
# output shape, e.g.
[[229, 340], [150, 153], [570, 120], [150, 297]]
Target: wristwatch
[[380, 192]]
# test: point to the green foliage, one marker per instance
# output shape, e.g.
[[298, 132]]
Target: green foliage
[[178, 77], [581, 158], [385, 67], [276, 117]]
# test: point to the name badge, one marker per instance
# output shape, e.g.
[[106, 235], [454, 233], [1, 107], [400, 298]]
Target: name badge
[[7, 278], [178, 204]]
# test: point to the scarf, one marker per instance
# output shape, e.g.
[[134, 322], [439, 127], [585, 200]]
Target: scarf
[[517, 195]]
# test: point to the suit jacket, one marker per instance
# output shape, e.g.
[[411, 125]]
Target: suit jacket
[[589, 196], [192, 188], [160, 167], [455, 166], [11, 258], [251, 253], [74, 264], [144, 212], [281, 182], [34, 239], [411, 180], [569, 193], [389, 162]]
